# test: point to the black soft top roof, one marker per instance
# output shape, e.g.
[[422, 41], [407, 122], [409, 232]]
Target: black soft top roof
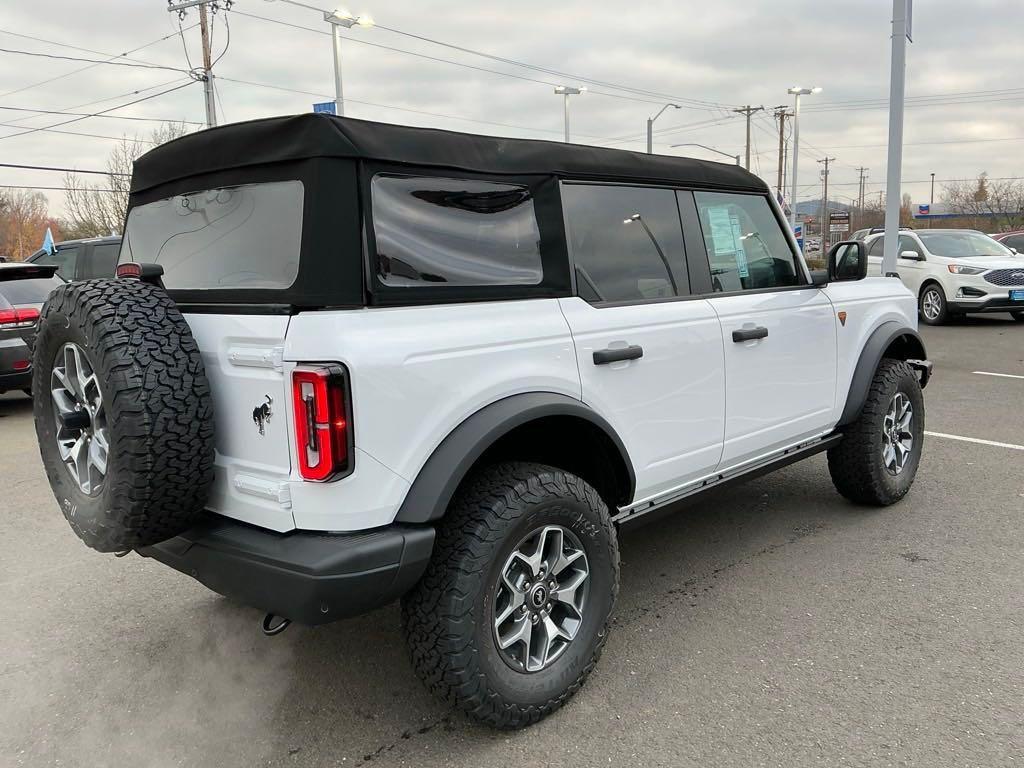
[[306, 136]]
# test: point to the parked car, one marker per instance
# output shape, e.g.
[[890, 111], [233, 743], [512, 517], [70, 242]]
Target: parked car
[[1012, 240], [861, 234], [23, 289], [81, 259], [955, 272], [379, 362]]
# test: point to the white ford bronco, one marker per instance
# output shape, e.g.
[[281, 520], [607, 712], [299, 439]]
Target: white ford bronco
[[346, 362]]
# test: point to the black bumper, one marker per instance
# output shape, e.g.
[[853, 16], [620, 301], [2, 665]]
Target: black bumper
[[995, 304], [17, 380], [12, 352], [309, 577]]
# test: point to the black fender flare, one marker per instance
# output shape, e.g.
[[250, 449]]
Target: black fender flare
[[870, 358], [434, 486]]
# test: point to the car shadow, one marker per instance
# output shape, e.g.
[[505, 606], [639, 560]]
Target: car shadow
[[14, 404]]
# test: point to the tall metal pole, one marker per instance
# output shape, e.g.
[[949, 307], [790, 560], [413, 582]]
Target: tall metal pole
[[900, 31], [339, 94], [208, 93], [650, 127], [796, 159], [824, 203], [931, 203], [567, 117]]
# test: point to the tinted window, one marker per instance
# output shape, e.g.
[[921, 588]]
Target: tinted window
[[103, 261], [626, 242], [908, 243], [1014, 241], [28, 291], [875, 249], [454, 232], [64, 258], [233, 237], [747, 248]]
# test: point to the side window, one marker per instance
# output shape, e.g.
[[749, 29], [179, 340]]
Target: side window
[[626, 242], [103, 262], [747, 248], [456, 232], [64, 259], [1014, 241], [876, 247], [908, 243]]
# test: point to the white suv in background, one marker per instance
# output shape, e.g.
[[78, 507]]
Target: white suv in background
[[955, 271]]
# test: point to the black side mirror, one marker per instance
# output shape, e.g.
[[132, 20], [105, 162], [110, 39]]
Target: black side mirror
[[847, 261]]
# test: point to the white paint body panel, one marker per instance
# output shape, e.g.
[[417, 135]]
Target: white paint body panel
[[668, 407]]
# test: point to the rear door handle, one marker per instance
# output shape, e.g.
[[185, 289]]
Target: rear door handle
[[749, 334], [618, 354]]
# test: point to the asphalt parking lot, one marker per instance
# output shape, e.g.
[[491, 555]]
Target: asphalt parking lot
[[773, 624]]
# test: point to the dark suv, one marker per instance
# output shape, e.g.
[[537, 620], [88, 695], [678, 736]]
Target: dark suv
[[81, 259], [23, 289]]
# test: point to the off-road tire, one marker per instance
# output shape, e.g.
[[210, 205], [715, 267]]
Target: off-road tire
[[447, 617], [159, 412], [856, 464], [944, 315]]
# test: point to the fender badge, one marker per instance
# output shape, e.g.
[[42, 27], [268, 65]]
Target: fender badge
[[262, 414], [840, 315]]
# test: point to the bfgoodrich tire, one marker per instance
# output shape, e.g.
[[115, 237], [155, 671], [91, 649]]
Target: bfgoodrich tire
[[877, 459], [525, 549], [123, 413]]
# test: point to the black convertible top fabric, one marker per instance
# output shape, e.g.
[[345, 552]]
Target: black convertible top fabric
[[299, 137]]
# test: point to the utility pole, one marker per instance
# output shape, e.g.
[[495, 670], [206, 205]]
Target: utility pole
[[860, 191], [824, 202], [901, 33], [748, 111], [931, 203], [780, 115], [179, 7]]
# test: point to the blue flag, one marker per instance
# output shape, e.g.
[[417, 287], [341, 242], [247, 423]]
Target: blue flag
[[48, 242]]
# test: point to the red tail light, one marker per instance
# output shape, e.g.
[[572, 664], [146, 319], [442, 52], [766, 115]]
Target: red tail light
[[18, 318], [323, 429]]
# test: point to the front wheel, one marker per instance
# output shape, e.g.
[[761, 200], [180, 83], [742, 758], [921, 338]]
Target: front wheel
[[932, 305], [877, 459], [513, 610]]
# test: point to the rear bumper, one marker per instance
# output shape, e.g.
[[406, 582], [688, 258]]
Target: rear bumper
[[14, 351], [17, 380], [311, 578]]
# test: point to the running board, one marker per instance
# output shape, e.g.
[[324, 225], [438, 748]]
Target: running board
[[785, 458]]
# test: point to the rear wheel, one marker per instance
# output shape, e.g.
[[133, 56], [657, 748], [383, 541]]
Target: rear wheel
[[877, 459], [932, 305], [513, 611]]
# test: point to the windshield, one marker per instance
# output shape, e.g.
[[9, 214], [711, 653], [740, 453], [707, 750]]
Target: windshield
[[962, 245], [232, 237]]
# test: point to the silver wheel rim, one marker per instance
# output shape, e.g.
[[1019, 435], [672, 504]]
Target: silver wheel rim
[[931, 305], [540, 599], [897, 434], [80, 417]]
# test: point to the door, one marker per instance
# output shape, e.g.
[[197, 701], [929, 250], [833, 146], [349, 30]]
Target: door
[[650, 356], [778, 332]]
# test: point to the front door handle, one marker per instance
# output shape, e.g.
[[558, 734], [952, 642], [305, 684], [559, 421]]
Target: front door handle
[[618, 354], [749, 334]]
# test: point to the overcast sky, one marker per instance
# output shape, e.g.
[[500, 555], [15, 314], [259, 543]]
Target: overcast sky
[[716, 55]]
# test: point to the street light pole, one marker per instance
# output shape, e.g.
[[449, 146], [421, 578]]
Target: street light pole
[[736, 158], [797, 92], [567, 91], [650, 127], [931, 203], [894, 167], [338, 19]]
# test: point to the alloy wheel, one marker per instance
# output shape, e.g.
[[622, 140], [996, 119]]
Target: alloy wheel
[[80, 417], [897, 434], [931, 304]]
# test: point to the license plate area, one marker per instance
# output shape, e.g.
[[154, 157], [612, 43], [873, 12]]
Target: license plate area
[[1017, 295]]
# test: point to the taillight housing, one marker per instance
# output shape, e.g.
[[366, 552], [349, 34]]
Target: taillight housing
[[323, 422], [18, 318]]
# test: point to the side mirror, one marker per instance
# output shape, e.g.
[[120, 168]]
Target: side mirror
[[847, 261], [911, 256]]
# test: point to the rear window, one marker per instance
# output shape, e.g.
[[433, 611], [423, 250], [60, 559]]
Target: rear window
[[33, 290], [247, 236], [454, 232]]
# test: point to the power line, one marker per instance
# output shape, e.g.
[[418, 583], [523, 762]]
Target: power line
[[57, 189], [97, 114], [93, 61], [82, 134], [56, 168]]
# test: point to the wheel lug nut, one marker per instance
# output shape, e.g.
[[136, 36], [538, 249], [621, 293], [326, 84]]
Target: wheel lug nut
[[535, 618], [547, 607]]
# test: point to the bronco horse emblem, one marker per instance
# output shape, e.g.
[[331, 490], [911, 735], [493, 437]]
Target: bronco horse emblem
[[262, 414]]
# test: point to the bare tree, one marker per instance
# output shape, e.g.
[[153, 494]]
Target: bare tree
[[98, 209], [24, 218], [989, 204]]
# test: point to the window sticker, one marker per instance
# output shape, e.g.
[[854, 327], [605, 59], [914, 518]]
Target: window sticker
[[726, 236], [741, 255]]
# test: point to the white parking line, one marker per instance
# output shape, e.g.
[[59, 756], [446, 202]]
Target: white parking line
[[1011, 446], [1004, 375]]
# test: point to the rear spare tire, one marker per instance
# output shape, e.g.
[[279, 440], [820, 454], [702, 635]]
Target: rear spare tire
[[123, 413]]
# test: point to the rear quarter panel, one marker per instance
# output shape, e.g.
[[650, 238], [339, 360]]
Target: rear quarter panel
[[416, 374], [867, 303]]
